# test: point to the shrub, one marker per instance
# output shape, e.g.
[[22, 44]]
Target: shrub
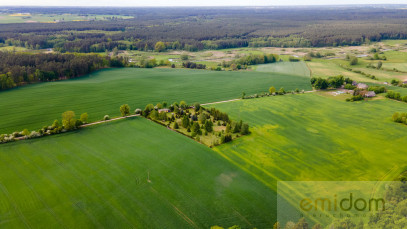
[[34, 134], [355, 98], [78, 123], [184, 57], [106, 117], [353, 61], [349, 86], [68, 120], [137, 111], [226, 138], [84, 118], [25, 132], [125, 109]]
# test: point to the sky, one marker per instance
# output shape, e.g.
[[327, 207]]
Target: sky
[[190, 2]]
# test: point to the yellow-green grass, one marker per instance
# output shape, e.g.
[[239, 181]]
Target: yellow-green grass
[[383, 75], [394, 42], [292, 68], [314, 137], [126, 174], [396, 56], [103, 92], [399, 66], [327, 68]]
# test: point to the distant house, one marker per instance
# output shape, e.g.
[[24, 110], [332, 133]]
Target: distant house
[[369, 94], [164, 110], [354, 83], [386, 83], [405, 82], [362, 86]]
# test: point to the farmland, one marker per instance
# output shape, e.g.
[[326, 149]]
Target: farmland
[[291, 68], [316, 137], [86, 179], [103, 92]]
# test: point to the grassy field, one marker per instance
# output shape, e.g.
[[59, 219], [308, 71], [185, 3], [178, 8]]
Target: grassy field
[[326, 68], [292, 68], [103, 92], [98, 178], [316, 137]]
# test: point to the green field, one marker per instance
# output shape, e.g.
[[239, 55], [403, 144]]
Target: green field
[[315, 137], [98, 178], [292, 68], [104, 91]]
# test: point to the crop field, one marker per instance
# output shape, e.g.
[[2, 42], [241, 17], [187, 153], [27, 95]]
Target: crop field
[[328, 68], [291, 68], [103, 92], [115, 175], [315, 137]]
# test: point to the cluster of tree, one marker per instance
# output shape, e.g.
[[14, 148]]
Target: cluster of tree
[[293, 59], [377, 57], [377, 89], [354, 98], [378, 66], [271, 92], [290, 41], [193, 65], [194, 121], [331, 82], [396, 204], [69, 122], [310, 55], [250, 59], [359, 72], [22, 68], [353, 60], [400, 117], [398, 83], [396, 96]]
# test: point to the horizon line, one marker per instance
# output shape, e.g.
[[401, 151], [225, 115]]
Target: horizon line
[[225, 6]]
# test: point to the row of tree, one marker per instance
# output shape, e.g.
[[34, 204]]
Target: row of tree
[[396, 96], [69, 122], [331, 82], [400, 117]]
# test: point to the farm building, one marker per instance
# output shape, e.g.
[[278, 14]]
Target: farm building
[[362, 86], [164, 110], [405, 82], [369, 94]]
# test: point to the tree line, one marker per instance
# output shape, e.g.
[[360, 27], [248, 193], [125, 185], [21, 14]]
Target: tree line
[[211, 29], [18, 69]]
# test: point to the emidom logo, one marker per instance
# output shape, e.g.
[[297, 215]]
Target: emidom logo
[[324, 202], [344, 204]]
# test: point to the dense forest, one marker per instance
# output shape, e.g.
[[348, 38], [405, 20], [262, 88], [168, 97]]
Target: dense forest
[[21, 68], [196, 29]]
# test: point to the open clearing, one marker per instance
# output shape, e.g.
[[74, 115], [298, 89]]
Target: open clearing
[[103, 92], [98, 177]]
